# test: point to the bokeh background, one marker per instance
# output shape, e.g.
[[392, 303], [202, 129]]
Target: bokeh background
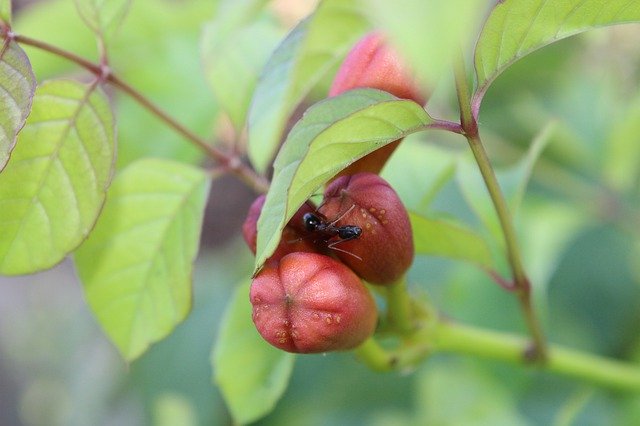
[[579, 225]]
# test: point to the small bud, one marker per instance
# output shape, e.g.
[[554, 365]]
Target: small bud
[[310, 303], [384, 250], [292, 239], [373, 63]]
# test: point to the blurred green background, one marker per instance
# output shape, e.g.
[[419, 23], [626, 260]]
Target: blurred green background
[[579, 225]]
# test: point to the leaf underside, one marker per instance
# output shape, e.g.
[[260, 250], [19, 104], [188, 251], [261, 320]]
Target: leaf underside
[[136, 266], [17, 87], [52, 190]]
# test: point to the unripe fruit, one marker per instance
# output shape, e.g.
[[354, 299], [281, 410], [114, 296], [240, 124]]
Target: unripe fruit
[[293, 235], [373, 63], [310, 303], [384, 250]]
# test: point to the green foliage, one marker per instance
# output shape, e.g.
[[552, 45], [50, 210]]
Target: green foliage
[[459, 393], [513, 181], [252, 375], [429, 33], [5, 12], [157, 35], [332, 134], [232, 62], [19, 84], [517, 28], [308, 53], [102, 16], [621, 166], [564, 149], [52, 190], [136, 266], [438, 237]]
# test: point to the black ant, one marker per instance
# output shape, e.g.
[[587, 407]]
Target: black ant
[[316, 222]]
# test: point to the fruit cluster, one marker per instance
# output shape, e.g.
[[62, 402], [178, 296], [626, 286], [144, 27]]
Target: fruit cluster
[[309, 296]]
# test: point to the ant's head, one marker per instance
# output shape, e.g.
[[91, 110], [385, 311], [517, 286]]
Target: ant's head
[[311, 221]]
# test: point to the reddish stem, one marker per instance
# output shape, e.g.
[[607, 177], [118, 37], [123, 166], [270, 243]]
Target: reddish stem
[[231, 163]]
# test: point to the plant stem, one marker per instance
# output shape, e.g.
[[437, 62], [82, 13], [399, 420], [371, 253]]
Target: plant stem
[[231, 163], [444, 336], [399, 306], [520, 281], [460, 339], [378, 358]]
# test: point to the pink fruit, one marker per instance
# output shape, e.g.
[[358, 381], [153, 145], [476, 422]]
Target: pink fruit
[[384, 250], [310, 303]]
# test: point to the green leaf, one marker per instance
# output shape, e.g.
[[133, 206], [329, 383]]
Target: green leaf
[[438, 237], [170, 409], [232, 62], [103, 16], [516, 178], [418, 160], [136, 265], [516, 28], [234, 13], [621, 166], [5, 12], [252, 375], [331, 135], [17, 87], [312, 49], [52, 190], [428, 33], [461, 393]]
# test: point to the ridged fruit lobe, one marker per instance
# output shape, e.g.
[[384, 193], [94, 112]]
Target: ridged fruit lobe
[[311, 303]]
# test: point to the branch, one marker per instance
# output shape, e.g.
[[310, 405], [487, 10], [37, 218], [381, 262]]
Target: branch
[[521, 282], [231, 163]]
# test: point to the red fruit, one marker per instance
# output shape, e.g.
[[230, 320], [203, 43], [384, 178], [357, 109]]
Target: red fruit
[[373, 63], [250, 225], [310, 303], [292, 239], [384, 250]]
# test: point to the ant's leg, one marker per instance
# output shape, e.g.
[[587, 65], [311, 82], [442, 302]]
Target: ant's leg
[[333, 245]]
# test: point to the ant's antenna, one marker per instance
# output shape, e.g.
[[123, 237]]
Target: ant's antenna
[[343, 215]]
